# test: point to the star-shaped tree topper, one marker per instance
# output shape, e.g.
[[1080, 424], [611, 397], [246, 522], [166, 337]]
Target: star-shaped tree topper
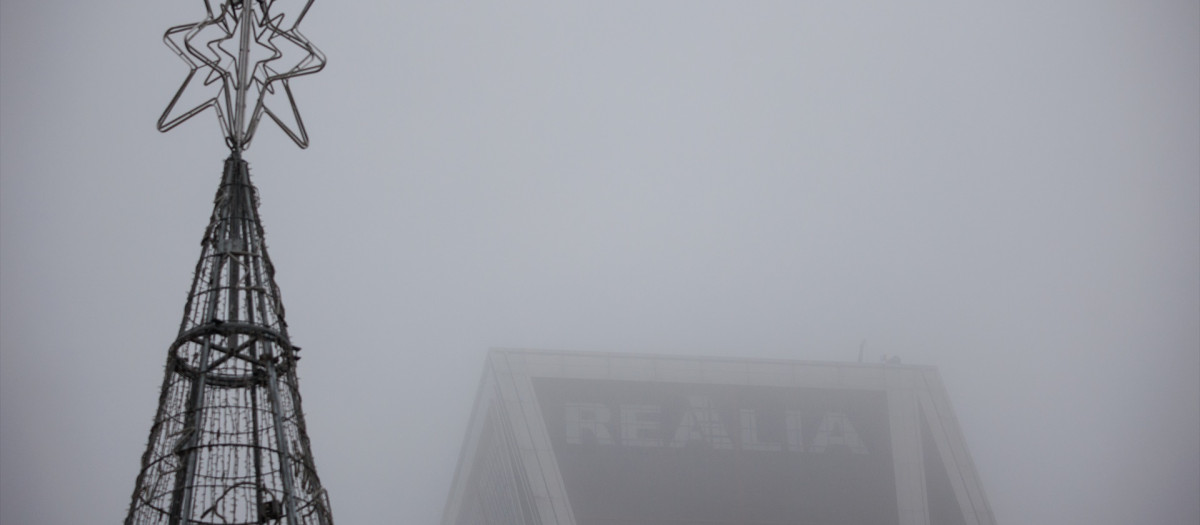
[[241, 57]]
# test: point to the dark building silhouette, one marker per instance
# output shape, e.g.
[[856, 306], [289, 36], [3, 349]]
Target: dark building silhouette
[[570, 438]]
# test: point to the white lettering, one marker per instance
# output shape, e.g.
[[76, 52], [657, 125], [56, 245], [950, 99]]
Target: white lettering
[[750, 433], [638, 430], [590, 417], [794, 439], [836, 429], [701, 423], [640, 425]]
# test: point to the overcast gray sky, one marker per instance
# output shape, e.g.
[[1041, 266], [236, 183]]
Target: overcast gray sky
[[1009, 192]]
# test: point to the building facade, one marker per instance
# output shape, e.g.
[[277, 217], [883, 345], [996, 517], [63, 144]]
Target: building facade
[[566, 438]]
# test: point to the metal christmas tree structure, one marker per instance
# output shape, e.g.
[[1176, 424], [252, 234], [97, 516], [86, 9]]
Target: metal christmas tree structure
[[228, 444]]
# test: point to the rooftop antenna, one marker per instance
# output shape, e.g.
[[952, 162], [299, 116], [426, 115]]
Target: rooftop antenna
[[228, 444]]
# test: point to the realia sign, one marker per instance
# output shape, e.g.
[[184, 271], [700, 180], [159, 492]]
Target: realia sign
[[637, 451], [643, 425]]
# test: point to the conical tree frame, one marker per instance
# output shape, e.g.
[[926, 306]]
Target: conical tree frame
[[228, 445]]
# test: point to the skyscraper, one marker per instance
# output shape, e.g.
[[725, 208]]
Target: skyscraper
[[605, 439]]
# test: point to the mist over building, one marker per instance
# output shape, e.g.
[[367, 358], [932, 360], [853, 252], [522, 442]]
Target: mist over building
[[606, 439]]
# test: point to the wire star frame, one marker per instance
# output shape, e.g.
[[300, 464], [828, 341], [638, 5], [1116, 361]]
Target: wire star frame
[[243, 50]]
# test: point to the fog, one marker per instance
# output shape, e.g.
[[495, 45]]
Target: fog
[[1010, 193]]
